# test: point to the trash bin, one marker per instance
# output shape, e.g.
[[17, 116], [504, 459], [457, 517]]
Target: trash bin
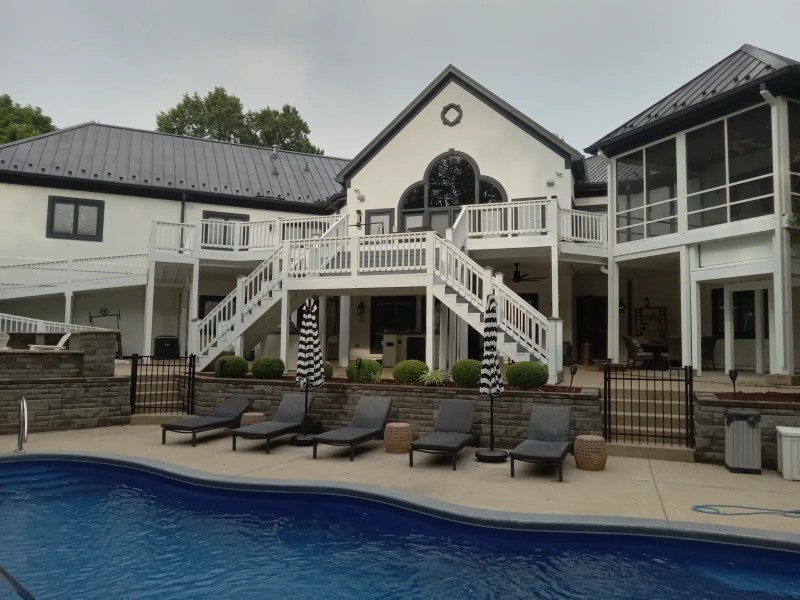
[[166, 346], [743, 440]]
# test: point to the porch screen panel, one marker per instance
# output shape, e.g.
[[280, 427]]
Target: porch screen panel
[[630, 197], [661, 184], [794, 154]]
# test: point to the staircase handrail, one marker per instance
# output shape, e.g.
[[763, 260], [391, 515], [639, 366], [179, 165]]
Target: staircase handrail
[[16, 324], [526, 325]]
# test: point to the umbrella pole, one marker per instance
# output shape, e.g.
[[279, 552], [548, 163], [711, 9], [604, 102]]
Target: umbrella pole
[[491, 454], [304, 438], [305, 409], [491, 422]]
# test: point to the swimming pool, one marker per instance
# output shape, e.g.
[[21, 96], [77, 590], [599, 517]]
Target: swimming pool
[[79, 529]]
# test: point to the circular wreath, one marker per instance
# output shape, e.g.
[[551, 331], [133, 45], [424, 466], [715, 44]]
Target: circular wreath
[[457, 119]]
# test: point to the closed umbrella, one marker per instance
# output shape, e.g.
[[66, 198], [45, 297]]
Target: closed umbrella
[[491, 379], [310, 372]]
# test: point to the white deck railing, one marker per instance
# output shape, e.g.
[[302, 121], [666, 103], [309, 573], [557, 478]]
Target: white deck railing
[[406, 252], [15, 324], [236, 236], [65, 273], [583, 226]]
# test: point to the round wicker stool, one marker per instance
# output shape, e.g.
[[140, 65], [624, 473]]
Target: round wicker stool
[[251, 418], [397, 437], [590, 452]]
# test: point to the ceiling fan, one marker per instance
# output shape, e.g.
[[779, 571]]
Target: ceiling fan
[[517, 277]]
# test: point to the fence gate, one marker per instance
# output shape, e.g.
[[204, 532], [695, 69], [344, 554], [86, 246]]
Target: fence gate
[[162, 385], [643, 406]]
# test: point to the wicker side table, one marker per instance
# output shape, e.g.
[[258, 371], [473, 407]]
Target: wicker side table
[[397, 438], [590, 452], [251, 418]]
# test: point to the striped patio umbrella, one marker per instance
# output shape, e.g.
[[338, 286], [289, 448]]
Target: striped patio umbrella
[[310, 372], [491, 378]]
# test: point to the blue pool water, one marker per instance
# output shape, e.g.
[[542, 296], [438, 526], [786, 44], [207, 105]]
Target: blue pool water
[[77, 530]]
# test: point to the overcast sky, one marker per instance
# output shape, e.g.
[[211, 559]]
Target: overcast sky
[[578, 67]]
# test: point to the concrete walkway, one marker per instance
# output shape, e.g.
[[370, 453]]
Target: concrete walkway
[[629, 487]]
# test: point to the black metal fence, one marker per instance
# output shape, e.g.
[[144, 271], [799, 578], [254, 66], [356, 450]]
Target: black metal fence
[[645, 406], [162, 385]]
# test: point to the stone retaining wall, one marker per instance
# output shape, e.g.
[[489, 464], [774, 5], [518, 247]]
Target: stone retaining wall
[[335, 402], [65, 403], [24, 364], [709, 414]]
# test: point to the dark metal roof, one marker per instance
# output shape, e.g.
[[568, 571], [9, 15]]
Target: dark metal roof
[[122, 157], [742, 69], [451, 73]]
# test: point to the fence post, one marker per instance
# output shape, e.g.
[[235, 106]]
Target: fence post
[[134, 374]]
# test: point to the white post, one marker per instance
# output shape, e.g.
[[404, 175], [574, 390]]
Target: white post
[[781, 306], [68, 306], [696, 356], [240, 300], [147, 345], [728, 318], [686, 308], [555, 355], [773, 368], [463, 340], [613, 310], [322, 322], [344, 331], [284, 348], [192, 342], [759, 310], [430, 335], [554, 281], [430, 254], [444, 362], [354, 257]]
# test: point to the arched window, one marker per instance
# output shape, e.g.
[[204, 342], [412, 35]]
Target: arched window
[[451, 181]]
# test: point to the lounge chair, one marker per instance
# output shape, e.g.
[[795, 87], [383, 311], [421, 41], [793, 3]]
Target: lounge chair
[[4, 337], [227, 414], [368, 422], [451, 432], [61, 345], [548, 438], [635, 353], [288, 419]]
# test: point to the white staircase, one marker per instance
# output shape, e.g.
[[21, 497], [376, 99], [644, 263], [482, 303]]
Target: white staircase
[[338, 260]]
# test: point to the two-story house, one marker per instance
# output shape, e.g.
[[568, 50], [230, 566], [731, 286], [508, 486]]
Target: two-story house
[[461, 195]]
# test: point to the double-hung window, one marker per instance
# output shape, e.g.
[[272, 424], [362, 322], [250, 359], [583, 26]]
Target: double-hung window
[[75, 219]]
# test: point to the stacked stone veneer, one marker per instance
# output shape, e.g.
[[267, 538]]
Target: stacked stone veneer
[[334, 404], [709, 414], [72, 389]]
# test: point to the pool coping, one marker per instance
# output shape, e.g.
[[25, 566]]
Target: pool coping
[[437, 508]]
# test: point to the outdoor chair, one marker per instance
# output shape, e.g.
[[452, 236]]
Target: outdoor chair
[[548, 438], [635, 352], [368, 422], [707, 345], [61, 345], [4, 337], [288, 418], [451, 432], [227, 414]]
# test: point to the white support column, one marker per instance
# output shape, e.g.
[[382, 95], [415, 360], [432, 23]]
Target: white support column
[[613, 310], [344, 331], [772, 326], [463, 340], [430, 305], [444, 362], [696, 356], [194, 299], [452, 338], [147, 342], [686, 308], [284, 347], [555, 354], [68, 306], [727, 296], [554, 281], [759, 316], [323, 325]]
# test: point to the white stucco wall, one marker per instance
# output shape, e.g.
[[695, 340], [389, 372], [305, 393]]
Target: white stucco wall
[[502, 151]]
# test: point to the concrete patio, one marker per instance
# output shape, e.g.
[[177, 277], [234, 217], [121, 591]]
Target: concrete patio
[[663, 491]]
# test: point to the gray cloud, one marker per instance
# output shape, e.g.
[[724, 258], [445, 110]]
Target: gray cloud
[[579, 68]]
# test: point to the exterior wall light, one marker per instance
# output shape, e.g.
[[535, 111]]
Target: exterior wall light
[[360, 308]]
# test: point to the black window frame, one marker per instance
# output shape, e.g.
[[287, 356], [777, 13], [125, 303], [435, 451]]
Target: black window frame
[[77, 203]]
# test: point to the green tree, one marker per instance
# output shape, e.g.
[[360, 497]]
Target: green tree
[[221, 116], [18, 122]]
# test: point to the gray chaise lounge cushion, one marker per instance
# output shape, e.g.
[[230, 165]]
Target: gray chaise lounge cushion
[[368, 422], [548, 437], [288, 417], [451, 432], [227, 414]]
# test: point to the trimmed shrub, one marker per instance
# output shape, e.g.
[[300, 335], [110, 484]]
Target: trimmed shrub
[[467, 373], [527, 375], [369, 372], [327, 370], [409, 370], [231, 366], [268, 367], [438, 377]]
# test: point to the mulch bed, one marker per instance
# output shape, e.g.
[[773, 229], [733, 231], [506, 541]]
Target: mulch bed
[[787, 397]]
